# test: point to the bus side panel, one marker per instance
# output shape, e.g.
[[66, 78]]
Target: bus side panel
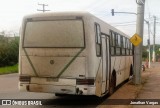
[[121, 65], [129, 60], [91, 59], [94, 62], [98, 81], [117, 68]]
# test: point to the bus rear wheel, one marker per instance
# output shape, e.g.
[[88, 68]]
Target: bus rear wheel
[[131, 72], [112, 85]]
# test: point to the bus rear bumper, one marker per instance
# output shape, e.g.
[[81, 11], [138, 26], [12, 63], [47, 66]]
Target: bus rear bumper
[[60, 89]]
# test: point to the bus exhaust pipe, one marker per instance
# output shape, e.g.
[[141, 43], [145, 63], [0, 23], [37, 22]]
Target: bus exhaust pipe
[[79, 92]]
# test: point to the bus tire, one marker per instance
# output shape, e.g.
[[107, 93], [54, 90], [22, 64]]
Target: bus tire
[[112, 84], [131, 72]]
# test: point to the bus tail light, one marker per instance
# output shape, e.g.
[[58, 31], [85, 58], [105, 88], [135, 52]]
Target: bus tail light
[[24, 78], [85, 81]]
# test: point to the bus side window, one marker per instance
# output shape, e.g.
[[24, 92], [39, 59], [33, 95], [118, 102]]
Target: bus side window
[[127, 46], [112, 42], [111, 38], [123, 45], [119, 40], [98, 39], [118, 44], [131, 53]]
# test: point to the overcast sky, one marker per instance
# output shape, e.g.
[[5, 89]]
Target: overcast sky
[[12, 12]]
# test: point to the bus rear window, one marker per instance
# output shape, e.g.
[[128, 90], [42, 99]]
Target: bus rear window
[[60, 33]]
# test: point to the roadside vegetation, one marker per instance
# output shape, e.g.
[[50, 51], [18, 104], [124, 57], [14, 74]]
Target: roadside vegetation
[[145, 52], [9, 69], [9, 47]]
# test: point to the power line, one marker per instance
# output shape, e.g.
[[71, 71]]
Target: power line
[[125, 22], [124, 25]]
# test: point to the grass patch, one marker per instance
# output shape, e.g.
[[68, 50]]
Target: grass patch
[[9, 69]]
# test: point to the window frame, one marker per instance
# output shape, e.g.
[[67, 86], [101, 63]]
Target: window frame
[[112, 42], [98, 40]]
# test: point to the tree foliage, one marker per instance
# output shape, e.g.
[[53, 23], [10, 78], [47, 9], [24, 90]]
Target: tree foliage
[[145, 52], [9, 50]]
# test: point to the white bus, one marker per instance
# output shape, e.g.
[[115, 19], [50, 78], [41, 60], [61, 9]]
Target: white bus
[[72, 53]]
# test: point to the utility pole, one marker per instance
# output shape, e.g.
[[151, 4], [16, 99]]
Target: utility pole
[[149, 48], [43, 5], [153, 59], [148, 41], [138, 49]]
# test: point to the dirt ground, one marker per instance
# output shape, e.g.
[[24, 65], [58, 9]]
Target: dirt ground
[[132, 91]]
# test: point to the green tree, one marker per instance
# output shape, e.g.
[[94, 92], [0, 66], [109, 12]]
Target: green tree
[[144, 52], [9, 51], [13, 51], [3, 50]]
